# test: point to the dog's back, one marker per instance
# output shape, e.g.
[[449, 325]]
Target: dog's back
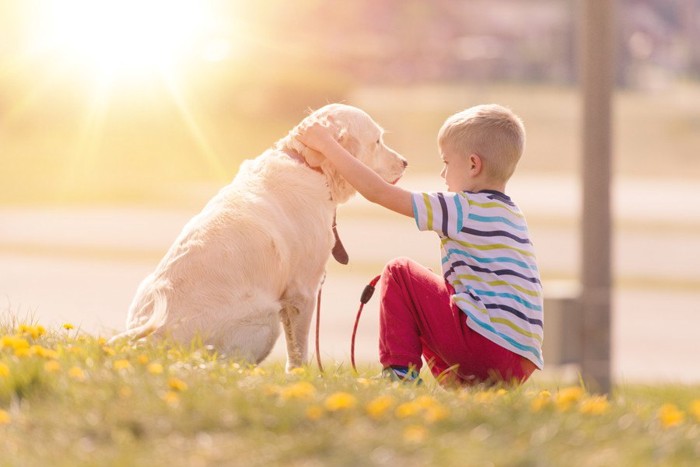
[[228, 274]]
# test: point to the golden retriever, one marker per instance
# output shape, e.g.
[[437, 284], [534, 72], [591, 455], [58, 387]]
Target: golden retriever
[[256, 254]]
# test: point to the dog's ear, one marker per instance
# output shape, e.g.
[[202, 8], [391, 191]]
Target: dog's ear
[[349, 142]]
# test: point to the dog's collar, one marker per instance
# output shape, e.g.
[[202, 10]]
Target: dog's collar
[[300, 159]]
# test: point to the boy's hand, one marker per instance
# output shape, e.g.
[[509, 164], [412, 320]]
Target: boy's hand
[[317, 136]]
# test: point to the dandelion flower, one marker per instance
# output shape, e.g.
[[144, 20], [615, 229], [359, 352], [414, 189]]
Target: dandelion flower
[[171, 398], [52, 366], [300, 390], [125, 392], [594, 406], [68, 326], [109, 351], [314, 412], [122, 364], [34, 331], [340, 401], [436, 413], [155, 368], [4, 370], [43, 352], [541, 401], [567, 397], [695, 409], [5, 418], [142, 359], [407, 409], [670, 416], [13, 342], [378, 406], [177, 384], [415, 434], [76, 373]]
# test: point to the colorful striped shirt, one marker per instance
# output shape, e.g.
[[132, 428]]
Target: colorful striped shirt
[[489, 260]]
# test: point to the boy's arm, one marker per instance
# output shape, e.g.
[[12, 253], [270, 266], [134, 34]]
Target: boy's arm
[[365, 180]]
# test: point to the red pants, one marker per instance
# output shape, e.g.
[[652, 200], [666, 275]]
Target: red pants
[[417, 317]]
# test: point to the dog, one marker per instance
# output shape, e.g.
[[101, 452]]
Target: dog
[[255, 256]]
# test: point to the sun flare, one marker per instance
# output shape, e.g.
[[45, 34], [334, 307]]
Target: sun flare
[[125, 36]]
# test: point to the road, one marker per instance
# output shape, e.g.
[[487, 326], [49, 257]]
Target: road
[[82, 265]]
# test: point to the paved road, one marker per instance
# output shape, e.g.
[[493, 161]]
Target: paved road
[[82, 265]]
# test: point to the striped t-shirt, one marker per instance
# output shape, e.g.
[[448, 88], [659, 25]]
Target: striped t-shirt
[[489, 260]]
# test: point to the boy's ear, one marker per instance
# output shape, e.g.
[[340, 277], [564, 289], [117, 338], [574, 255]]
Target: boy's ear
[[476, 165]]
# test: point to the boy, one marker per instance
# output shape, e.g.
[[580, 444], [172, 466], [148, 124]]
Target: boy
[[481, 322]]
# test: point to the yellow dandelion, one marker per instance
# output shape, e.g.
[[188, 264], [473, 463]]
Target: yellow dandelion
[[109, 351], [415, 434], [142, 359], [407, 409], [541, 400], [155, 368], [43, 352], [33, 331], [13, 342], [314, 412], [125, 392], [101, 341], [171, 398], [23, 352], [4, 370], [257, 371], [5, 418], [436, 413], [377, 407], [68, 326], [299, 371], [177, 384], [340, 401], [300, 390], [52, 366], [594, 406], [669, 415], [567, 397], [485, 397], [121, 364], [76, 373], [695, 409]]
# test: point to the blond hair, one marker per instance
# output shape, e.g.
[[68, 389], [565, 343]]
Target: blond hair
[[492, 131]]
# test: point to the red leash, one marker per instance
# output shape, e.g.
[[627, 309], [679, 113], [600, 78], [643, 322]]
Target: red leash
[[366, 296]]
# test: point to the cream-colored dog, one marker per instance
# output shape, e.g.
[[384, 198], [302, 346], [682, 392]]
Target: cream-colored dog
[[256, 255]]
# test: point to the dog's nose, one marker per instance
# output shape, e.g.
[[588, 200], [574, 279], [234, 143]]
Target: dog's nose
[[405, 163]]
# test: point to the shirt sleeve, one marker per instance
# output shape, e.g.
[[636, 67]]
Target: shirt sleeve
[[441, 212]]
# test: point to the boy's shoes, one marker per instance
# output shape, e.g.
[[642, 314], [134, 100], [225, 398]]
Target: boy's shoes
[[402, 374]]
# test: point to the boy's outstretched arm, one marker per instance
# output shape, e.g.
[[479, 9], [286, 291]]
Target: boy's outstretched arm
[[365, 180]]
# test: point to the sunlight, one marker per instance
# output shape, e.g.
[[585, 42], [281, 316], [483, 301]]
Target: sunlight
[[125, 36]]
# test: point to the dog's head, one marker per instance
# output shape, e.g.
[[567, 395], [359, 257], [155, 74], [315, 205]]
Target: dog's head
[[362, 138]]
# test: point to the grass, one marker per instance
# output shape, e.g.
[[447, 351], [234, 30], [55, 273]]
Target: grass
[[146, 149], [67, 398]]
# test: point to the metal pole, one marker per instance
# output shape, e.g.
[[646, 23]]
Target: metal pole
[[596, 61]]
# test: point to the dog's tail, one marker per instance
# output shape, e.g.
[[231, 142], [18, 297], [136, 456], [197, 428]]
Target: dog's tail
[[152, 324]]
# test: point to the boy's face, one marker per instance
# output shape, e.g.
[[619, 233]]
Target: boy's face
[[455, 170]]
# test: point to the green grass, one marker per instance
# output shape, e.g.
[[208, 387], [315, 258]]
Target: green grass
[[147, 149], [66, 398]]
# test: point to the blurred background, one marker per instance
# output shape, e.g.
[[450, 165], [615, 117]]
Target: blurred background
[[120, 119]]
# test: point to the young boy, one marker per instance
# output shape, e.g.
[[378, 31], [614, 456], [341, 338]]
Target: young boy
[[481, 322]]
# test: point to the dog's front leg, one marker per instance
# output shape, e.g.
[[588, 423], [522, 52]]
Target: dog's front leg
[[296, 321]]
